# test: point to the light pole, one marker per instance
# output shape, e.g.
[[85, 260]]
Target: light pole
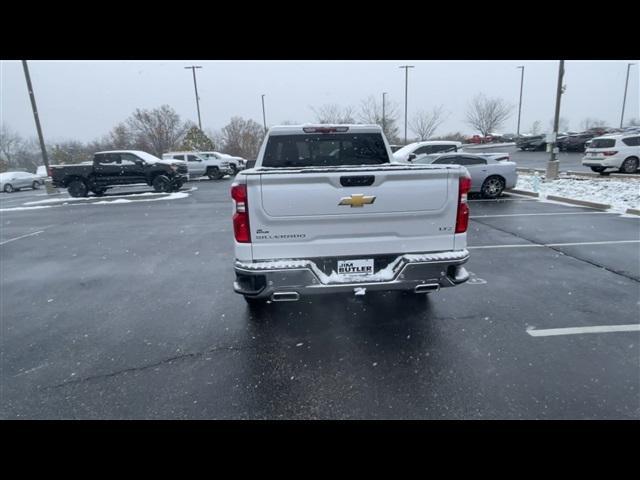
[[406, 88], [520, 105], [624, 100], [36, 117], [264, 117], [195, 86], [553, 163], [383, 116]]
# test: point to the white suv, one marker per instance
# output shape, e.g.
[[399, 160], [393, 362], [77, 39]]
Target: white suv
[[199, 164], [618, 152]]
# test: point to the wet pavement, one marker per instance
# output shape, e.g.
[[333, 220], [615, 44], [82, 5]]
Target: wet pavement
[[126, 310]]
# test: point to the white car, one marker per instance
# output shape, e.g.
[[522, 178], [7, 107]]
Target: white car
[[490, 173], [12, 181], [411, 151], [613, 152], [235, 163], [199, 165]]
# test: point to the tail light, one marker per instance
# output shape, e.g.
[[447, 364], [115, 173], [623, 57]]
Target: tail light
[[49, 171], [462, 219], [608, 154], [241, 215]]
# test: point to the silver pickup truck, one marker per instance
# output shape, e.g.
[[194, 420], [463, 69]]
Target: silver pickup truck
[[324, 210]]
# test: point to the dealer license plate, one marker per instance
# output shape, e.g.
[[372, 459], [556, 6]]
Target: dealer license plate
[[355, 267]]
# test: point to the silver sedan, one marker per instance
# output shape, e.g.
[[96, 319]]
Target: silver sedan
[[12, 181], [490, 173]]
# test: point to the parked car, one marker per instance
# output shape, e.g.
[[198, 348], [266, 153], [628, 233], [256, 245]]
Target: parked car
[[235, 163], [534, 143], [119, 167], [200, 165], [353, 222], [14, 181], [411, 151], [575, 143], [480, 139], [490, 173], [613, 152]]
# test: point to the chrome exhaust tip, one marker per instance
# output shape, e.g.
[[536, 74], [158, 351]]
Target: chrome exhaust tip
[[285, 297], [427, 287]]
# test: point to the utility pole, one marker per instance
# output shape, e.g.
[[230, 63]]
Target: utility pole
[[553, 163], [406, 88], [520, 105], [624, 100], [43, 147], [383, 116], [195, 86], [264, 117]]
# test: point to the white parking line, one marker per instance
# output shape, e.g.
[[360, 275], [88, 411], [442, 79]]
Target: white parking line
[[549, 332], [21, 236], [530, 245], [542, 214]]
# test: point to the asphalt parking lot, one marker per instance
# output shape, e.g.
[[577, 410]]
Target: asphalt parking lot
[[126, 310]]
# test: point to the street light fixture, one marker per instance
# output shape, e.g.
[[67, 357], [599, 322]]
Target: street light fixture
[[520, 105], [624, 100], [195, 86], [406, 88]]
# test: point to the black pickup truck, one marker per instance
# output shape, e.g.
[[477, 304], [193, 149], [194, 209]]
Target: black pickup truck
[[119, 167]]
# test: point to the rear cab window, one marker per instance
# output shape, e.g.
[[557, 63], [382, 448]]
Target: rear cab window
[[325, 150]]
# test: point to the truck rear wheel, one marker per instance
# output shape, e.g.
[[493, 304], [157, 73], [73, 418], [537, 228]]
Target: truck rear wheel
[[161, 183], [77, 188]]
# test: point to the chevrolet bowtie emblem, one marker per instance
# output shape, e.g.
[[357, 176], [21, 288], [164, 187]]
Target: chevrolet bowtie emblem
[[357, 200]]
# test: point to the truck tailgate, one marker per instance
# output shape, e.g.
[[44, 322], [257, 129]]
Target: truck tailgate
[[352, 212]]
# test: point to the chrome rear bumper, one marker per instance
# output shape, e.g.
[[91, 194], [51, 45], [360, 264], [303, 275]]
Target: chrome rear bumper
[[287, 280]]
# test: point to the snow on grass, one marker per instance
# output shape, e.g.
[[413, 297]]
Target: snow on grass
[[620, 193]]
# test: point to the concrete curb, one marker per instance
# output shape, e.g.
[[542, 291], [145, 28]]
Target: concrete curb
[[632, 211], [583, 203], [523, 192], [578, 174]]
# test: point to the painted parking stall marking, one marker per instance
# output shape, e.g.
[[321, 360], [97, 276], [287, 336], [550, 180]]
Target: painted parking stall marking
[[550, 332]]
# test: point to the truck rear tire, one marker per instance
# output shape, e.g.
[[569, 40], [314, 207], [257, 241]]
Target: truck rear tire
[[77, 188], [162, 184]]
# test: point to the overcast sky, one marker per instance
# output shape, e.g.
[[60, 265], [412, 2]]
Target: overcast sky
[[83, 100]]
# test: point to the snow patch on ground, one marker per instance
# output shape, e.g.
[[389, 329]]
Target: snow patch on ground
[[621, 194], [23, 208]]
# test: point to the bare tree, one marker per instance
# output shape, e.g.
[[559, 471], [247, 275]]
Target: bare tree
[[371, 113], [243, 137], [158, 130], [487, 114], [10, 142], [424, 123], [535, 128], [588, 123], [333, 113]]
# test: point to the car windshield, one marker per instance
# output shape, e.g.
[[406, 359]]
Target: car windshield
[[325, 150]]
